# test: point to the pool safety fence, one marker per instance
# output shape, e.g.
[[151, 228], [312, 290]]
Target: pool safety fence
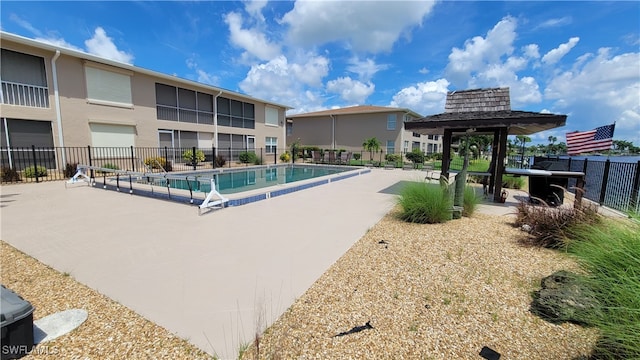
[[119, 179], [157, 185]]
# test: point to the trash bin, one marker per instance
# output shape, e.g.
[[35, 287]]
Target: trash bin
[[548, 188], [16, 324]]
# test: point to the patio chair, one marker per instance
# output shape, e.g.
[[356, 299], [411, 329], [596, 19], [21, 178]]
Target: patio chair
[[316, 156], [431, 173], [332, 157], [344, 158]]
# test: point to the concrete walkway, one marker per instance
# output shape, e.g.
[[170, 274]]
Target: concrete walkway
[[213, 279]]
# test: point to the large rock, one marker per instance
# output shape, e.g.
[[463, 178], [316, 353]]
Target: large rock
[[564, 297]]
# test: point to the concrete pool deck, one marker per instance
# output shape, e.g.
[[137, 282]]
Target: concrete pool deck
[[207, 278]]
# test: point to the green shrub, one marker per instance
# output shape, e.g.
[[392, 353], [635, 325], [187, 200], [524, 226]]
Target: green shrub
[[415, 156], [187, 155], [357, 156], [470, 201], [220, 161], [285, 157], [10, 175], [436, 156], [247, 157], [70, 170], [32, 171], [156, 162], [424, 203], [610, 253], [512, 182], [394, 158]]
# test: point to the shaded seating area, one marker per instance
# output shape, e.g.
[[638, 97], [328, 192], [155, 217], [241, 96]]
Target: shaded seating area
[[483, 112]]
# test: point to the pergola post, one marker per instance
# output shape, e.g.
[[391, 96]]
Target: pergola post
[[494, 158], [502, 151], [446, 153]]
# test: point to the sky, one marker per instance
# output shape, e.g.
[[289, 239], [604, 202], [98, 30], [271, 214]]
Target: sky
[[576, 58]]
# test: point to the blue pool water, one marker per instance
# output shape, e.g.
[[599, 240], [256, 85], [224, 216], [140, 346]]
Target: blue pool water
[[235, 181]]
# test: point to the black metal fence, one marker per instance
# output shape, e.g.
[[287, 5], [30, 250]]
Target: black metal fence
[[36, 164], [613, 184]]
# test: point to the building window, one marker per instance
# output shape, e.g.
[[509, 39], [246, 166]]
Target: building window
[[391, 146], [108, 87], [235, 113], [271, 116], [289, 128], [406, 146], [270, 144], [415, 134], [24, 80], [183, 105], [391, 122], [435, 137]]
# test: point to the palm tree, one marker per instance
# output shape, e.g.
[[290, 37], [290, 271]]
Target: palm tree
[[552, 140], [372, 145], [523, 139]]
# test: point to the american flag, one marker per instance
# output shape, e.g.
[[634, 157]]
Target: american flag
[[599, 138]]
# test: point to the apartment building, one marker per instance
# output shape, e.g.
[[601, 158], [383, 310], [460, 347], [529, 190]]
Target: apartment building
[[55, 96], [347, 128]]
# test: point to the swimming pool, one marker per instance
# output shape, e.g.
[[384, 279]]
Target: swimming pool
[[241, 180]]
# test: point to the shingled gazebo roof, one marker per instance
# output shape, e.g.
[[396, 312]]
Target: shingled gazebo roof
[[484, 110]]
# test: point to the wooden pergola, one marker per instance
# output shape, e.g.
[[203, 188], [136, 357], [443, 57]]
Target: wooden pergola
[[483, 112]]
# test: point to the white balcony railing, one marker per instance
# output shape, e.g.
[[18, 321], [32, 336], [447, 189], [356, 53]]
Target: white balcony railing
[[24, 95]]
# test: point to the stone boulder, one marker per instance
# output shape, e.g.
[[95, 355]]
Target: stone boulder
[[564, 297]]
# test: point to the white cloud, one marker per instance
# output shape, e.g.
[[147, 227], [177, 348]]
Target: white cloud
[[59, 42], [26, 25], [371, 26], [423, 71], [50, 38], [490, 62], [252, 41], [365, 69], [424, 98], [554, 55], [288, 83], [603, 88], [531, 51], [254, 8], [556, 22], [102, 45], [479, 52], [312, 71], [202, 76], [350, 90]]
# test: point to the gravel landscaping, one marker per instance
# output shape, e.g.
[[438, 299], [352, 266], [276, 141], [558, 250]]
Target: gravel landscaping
[[111, 331], [403, 291], [409, 291]]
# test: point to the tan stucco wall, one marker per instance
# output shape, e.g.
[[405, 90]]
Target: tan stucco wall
[[350, 130], [77, 112]]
